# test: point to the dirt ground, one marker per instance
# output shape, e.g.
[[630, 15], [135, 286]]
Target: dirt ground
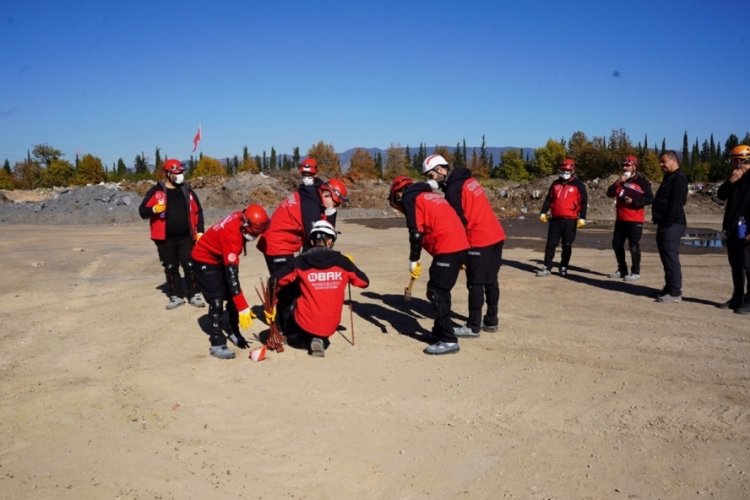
[[590, 390]]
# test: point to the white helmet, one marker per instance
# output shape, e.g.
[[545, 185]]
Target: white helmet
[[433, 161], [322, 229]]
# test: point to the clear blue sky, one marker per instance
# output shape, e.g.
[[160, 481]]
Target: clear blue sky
[[115, 79]]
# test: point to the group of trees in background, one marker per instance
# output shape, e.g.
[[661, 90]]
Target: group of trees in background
[[705, 161]]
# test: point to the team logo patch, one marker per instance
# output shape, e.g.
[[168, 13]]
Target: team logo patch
[[232, 257]]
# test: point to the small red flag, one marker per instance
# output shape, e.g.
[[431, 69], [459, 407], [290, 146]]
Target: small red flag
[[197, 139]]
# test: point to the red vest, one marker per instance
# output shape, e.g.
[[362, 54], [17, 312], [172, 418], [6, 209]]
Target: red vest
[[286, 230], [442, 229], [565, 200], [623, 211], [221, 245], [159, 221], [318, 308], [483, 228]]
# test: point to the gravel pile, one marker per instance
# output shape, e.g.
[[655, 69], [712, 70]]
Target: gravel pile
[[110, 203]]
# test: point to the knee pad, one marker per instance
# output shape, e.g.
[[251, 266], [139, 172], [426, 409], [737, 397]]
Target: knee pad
[[171, 267], [215, 308]]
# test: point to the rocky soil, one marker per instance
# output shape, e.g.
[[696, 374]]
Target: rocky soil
[[118, 203]]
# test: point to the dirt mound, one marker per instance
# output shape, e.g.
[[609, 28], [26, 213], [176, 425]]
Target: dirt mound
[[118, 203]]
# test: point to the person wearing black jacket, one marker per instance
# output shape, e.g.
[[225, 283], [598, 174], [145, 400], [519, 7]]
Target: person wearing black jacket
[[668, 213], [566, 203], [435, 227], [176, 220], [486, 237], [322, 275], [632, 192], [736, 191]]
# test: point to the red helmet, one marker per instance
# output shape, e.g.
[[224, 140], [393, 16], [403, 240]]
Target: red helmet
[[255, 219], [630, 160], [308, 166], [567, 165], [399, 184], [338, 190], [173, 166]]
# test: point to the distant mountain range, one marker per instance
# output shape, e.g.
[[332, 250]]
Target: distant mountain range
[[496, 152]]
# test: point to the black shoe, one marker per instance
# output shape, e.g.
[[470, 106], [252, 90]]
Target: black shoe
[[732, 303], [489, 328], [744, 308]]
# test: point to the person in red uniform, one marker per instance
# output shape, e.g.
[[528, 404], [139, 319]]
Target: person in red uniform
[[308, 171], [321, 274], [289, 230], [486, 237], [566, 202], [434, 226], [176, 220], [217, 261], [632, 192]]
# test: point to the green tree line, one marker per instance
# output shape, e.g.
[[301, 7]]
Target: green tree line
[[702, 161]]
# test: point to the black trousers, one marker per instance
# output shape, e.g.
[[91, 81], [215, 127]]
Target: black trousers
[[173, 254], [560, 229], [668, 243], [738, 254], [630, 232], [215, 288], [482, 270], [444, 272], [287, 295]]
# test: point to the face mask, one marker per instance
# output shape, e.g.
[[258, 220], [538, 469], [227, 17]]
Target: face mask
[[178, 179], [308, 181], [248, 237], [565, 175]]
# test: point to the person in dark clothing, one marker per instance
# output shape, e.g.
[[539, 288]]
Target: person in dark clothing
[[176, 220], [289, 230], [486, 237], [217, 260], [566, 202], [736, 192], [632, 192], [321, 275], [668, 213], [434, 226]]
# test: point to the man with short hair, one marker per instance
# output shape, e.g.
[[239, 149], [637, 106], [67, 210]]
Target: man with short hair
[[632, 193], [736, 191], [668, 213]]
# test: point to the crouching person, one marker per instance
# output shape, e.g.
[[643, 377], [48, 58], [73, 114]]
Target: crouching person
[[217, 261], [322, 275]]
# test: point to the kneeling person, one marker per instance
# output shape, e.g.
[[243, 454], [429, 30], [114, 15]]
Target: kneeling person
[[322, 275]]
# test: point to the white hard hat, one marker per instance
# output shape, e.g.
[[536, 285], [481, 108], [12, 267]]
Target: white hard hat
[[433, 161], [322, 229]]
